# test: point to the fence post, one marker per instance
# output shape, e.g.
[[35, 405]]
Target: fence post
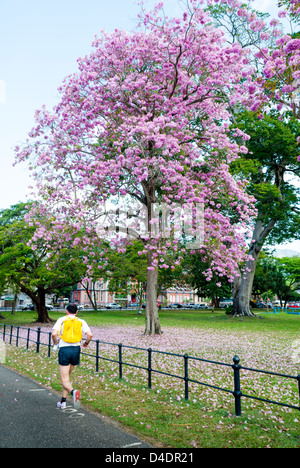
[[120, 361], [237, 386], [17, 339], [28, 334], [97, 355], [298, 378], [11, 330], [49, 344], [149, 367], [38, 340], [4, 330], [186, 377]]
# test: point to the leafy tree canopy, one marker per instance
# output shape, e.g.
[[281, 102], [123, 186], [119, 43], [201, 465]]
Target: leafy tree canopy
[[37, 266]]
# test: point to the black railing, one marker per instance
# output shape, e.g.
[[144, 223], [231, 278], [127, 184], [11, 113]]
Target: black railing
[[44, 339]]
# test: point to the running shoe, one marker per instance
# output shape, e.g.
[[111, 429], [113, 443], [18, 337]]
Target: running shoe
[[62, 405], [76, 395]]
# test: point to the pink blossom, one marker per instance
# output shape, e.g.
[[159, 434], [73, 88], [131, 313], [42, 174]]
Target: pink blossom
[[122, 124], [255, 106], [265, 35], [292, 45], [274, 22], [287, 89]]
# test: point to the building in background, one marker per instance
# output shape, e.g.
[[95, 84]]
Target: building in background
[[99, 292]]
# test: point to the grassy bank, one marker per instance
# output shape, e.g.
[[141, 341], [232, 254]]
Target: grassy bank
[[161, 415]]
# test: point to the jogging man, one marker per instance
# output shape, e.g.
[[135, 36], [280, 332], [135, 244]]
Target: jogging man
[[67, 334]]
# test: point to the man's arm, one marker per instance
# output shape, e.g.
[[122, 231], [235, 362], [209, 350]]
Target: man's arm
[[89, 336], [55, 337]]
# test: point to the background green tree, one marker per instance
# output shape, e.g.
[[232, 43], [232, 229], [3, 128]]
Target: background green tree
[[273, 171], [269, 279], [216, 288], [290, 268], [127, 271], [36, 267]]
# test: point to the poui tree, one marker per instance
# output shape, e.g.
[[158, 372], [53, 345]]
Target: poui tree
[[146, 119]]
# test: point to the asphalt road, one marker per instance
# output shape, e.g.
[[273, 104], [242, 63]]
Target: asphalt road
[[29, 418]]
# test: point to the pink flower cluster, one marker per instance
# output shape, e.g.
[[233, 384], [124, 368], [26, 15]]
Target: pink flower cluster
[[280, 63], [147, 116]]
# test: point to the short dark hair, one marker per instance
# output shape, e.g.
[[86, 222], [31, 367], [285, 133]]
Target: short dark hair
[[72, 308]]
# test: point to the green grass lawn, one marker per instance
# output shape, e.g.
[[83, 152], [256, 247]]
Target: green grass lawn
[[188, 318], [161, 415]]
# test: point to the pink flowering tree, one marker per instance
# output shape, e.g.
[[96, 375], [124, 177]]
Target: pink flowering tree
[[275, 49], [275, 56], [278, 54], [145, 123]]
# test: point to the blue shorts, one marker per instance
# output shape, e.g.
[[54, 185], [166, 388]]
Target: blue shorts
[[69, 355]]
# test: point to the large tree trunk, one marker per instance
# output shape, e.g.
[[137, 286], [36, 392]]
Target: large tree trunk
[[39, 301], [242, 288], [14, 303], [42, 311], [152, 318], [241, 300]]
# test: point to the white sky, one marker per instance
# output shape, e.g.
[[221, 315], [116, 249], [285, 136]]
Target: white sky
[[40, 42]]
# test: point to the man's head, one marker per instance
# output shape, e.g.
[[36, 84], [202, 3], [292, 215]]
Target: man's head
[[72, 309]]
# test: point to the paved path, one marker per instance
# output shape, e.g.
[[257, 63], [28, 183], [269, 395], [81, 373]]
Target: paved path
[[29, 419]]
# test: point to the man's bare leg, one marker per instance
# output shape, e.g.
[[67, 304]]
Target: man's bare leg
[[65, 372]]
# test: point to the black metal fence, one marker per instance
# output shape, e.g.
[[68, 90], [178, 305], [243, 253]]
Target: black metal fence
[[12, 335]]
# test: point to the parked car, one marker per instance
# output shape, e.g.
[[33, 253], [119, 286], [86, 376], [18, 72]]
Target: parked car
[[49, 306], [195, 306], [113, 305], [201, 306], [27, 307], [225, 302], [176, 306], [294, 305], [144, 305]]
